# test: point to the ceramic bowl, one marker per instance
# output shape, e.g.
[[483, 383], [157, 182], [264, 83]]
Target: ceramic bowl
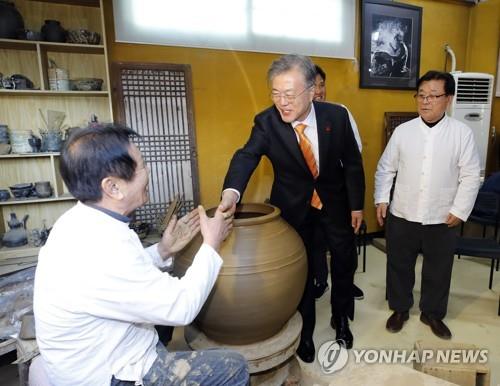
[[43, 189], [87, 84], [21, 190], [83, 36]]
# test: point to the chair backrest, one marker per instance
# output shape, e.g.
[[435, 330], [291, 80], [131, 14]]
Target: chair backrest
[[487, 204], [492, 183]]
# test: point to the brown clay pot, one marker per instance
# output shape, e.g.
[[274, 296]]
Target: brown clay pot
[[261, 281]]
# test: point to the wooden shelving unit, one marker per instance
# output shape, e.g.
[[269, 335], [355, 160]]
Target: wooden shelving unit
[[19, 108]]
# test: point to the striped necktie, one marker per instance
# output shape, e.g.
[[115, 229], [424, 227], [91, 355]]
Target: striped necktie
[[307, 152]]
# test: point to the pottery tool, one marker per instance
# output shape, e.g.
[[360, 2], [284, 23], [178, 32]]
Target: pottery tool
[[43, 118], [172, 210], [55, 119]]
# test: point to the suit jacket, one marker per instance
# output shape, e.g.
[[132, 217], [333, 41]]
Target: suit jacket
[[340, 183]]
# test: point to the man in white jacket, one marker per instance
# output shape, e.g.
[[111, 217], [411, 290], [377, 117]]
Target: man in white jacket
[[437, 168], [98, 293]]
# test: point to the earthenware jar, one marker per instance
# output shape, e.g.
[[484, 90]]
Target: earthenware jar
[[52, 31], [11, 21], [261, 281]]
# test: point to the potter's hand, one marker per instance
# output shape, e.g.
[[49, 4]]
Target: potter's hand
[[452, 221], [214, 230], [356, 219], [381, 213], [227, 204], [178, 233]]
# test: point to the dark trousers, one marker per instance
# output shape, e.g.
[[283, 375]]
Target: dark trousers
[[164, 334], [405, 240], [213, 367], [339, 236], [319, 260]]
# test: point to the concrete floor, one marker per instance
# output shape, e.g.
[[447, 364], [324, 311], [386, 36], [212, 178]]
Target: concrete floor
[[472, 318]]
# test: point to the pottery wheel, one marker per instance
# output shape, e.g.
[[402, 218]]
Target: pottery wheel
[[261, 356]]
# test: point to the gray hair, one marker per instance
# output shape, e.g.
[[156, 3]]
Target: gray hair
[[289, 62]]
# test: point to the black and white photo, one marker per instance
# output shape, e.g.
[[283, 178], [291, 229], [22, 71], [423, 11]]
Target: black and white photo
[[390, 45]]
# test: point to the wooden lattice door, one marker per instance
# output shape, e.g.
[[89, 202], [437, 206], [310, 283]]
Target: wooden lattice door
[[156, 101]]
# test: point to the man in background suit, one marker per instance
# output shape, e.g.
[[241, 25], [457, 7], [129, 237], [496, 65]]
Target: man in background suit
[[319, 258], [318, 179]]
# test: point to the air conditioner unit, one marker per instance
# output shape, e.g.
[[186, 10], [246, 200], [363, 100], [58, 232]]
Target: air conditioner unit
[[472, 105]]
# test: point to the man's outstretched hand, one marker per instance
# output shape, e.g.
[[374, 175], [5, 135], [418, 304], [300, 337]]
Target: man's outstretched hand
[[179, 233]]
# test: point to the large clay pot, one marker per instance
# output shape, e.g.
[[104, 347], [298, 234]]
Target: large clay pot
[[11, 21], [261, 281]]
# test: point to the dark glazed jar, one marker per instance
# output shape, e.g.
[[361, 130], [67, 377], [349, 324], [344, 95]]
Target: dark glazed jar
[[11, 21], [52, 31], [261, 281]]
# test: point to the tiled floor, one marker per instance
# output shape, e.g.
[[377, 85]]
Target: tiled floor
[[472, 318]]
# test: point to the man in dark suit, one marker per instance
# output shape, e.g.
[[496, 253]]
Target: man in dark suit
[[318, 179]]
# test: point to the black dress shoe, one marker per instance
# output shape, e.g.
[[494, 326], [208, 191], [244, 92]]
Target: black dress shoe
[[320, 289], [437, 326], [357, 292], [341, 325], [396, 321], [306, 350]]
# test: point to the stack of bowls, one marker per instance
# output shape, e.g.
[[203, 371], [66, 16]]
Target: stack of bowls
[[4, 139]]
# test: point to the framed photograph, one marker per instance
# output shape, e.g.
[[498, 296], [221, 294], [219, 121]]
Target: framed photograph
[[390, 44]]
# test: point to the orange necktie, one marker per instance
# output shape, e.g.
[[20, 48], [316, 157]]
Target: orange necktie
[[307, 152]]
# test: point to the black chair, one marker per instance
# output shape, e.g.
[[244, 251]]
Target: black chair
[[486, 212], [480, 247]]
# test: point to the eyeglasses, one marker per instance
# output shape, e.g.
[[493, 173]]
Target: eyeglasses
[[428, 98], [290, 98]]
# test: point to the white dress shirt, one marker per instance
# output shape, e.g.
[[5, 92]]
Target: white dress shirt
[[437, 171], [98, 294]]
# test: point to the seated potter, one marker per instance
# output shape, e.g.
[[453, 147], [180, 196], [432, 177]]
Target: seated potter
[[99, 293]]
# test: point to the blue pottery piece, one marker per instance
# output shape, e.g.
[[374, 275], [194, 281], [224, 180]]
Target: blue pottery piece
[[4, 194]]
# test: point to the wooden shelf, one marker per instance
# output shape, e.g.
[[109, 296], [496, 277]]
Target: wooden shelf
[[27, 250], [34, 200], [7, 346], [32, 45], [31, 155], [54, 93], [85, 3]]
